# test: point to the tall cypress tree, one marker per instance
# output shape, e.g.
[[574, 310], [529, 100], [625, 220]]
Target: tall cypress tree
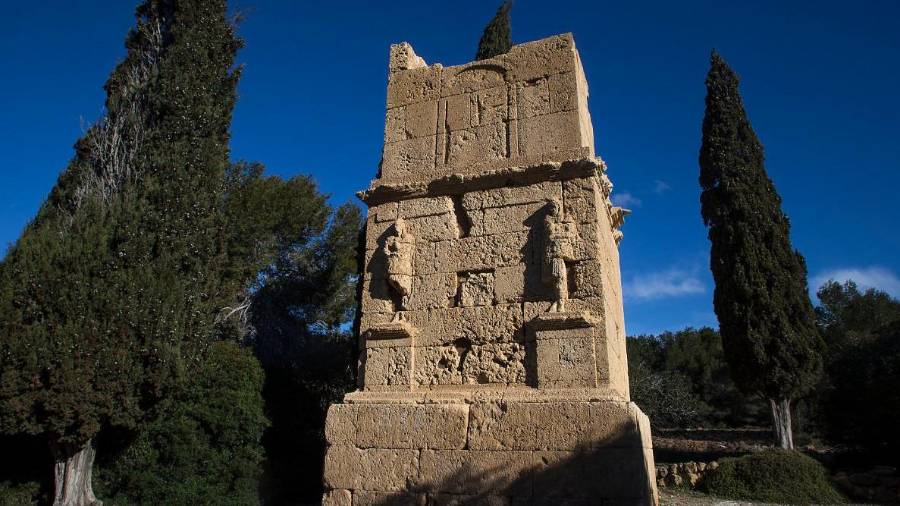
[[496, 39], [108, 299], [765, 316]]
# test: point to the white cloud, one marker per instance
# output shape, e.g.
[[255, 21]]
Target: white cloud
[[864, 277], [660, 186], [670, 283], [626, 199]]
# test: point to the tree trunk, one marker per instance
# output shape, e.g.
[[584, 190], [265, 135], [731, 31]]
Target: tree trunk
[[781, 420], [72, 472]]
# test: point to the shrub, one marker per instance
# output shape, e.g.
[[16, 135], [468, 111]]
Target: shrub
[[19, 494], [204, 447], [776, 476]]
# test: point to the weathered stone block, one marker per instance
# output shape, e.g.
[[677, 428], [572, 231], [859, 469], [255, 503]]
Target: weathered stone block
[[587, 276], [552, 133], [479, 253], [553, 426], [429, 206], [416, 85], [369, 498], [374, 469], [499, 364], [404, 58], [388, 368], [408, 158], [384, 212], [340, 424], [436, 327], [432, 291], [376, 296], [491, 106], [509, 284], [581, 210], [340, 497], [439, 227], [563, 92], [466, 254], [485, 142], [566, 363], [421, 119], [411, 121], [533, 60], [603, 475], [376, 233], [470, 78], [468, 500], [475, 472], [437, 426], [509, 219], [476, 289], [592, 305], [533, 99]]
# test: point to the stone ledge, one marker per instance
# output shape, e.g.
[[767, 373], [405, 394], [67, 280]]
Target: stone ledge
[[579, 164], [563, 321], [490, 393], [390, 330]]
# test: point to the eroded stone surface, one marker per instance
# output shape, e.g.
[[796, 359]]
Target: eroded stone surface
[[492, 335], [528, 104]]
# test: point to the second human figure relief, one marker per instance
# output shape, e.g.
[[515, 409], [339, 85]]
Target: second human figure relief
[[559, 239], [399, 249]]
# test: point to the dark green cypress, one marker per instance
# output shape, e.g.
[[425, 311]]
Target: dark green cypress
[[109, 298], [765, 316], [496, 39]]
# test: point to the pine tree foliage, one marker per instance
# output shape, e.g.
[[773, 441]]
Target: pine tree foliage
[[299, 323], [496, 38], [766, 319]]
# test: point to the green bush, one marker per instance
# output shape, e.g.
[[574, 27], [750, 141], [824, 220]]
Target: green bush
[[19, 494], [204, 447], [776, 476]]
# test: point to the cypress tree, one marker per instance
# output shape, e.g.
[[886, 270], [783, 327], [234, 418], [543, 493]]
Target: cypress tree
[[108, 298], [765, 316], [496, 39]]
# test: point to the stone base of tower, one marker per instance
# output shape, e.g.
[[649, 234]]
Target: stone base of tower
[[515, 447]]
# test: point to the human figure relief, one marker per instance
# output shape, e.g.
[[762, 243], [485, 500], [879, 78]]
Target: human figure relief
[[399, 249], [559, 245]]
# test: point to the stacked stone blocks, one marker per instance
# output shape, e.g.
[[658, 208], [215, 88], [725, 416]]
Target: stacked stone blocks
[[481, 382]]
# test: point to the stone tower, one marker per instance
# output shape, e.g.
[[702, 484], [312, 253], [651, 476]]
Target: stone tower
[[492, 341]]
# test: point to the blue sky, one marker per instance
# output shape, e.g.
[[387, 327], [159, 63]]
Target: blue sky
[[820, 81]]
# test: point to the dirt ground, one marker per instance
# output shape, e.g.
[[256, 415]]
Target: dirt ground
[[679, 497]]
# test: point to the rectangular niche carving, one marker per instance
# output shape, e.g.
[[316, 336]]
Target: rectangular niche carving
[[475, 288]]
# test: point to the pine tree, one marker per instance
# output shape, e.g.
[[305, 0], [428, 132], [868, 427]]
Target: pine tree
[[496, 39], [108, 299], [765, 316]]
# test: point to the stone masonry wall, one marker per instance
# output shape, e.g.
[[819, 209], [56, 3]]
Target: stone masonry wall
[[477, 281], [492, 335], [514, 110], [500, 453]]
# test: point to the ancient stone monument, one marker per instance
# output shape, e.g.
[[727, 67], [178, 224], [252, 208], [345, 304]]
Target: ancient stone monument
[[492, 346]]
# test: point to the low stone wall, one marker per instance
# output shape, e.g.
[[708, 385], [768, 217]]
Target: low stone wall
[[683, 474], [880, 484]]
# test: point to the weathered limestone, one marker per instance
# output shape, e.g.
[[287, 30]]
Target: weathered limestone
[[524, 107], [492, 341]]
